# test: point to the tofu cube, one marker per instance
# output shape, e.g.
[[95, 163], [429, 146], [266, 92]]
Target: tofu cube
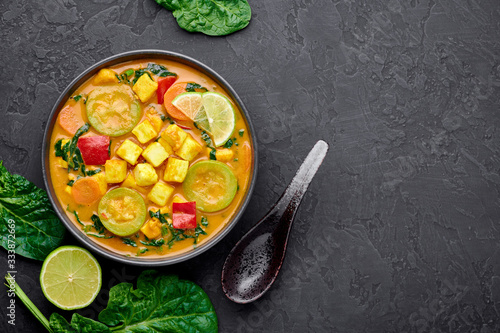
[[145, 88], [130, 183], [145, 174], [160, 193], [179, 199], [62, 163], [67, 189], [154, 118], [101, 180], [189, 149], [144, 131], [105, 76], [129, 151], [224, 155], [155, 154], [152, 228], [166, 145], [176, 170], [165, 210], [175, 136], [115, 171]]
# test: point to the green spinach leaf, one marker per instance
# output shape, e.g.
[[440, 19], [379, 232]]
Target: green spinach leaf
[[175, 235], [26, 209], [159, 304], [79, 97], [228, 143], [213, 154], [211, 17], [98, 226], [191, 87], [159, 70], [154, 242], [129, 241], [79, 324], [94, 172], [70, 152]]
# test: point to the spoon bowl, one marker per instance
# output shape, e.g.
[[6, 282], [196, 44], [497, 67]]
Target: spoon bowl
[[254, 263]]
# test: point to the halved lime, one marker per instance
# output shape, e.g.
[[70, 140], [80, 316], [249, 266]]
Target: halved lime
[[70, 278], [211, 111], [220, 116], [211, 184], [188, 103], [191, 104]]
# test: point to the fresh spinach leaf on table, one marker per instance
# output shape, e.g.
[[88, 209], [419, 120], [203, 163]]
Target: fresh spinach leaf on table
[[159, 304], [38, 231], [211, 17]]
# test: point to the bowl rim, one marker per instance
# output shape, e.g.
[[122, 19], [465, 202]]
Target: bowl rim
[[71, 88]]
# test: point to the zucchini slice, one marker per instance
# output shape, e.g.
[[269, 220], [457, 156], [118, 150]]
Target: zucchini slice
[[113, 110], [211, 184], [122, 211]]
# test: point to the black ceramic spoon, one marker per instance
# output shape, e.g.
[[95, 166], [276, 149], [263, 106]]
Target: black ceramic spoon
[[254, 263]]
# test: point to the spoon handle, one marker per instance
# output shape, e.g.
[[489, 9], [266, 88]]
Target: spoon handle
[[298, 186], [254, 262]]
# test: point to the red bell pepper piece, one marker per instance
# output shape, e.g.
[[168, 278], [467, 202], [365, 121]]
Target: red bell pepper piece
[[184, 127], [94, 149], [163, 84], [184, 215]]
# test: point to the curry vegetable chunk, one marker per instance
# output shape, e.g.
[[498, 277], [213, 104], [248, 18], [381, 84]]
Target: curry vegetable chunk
[[105, 76], [189, 149], [176, 170], [145, 183], [122, 211], [129, 151], [145, 174], [152, 229], [116, 171], [211, 184], [160, 193], [113, 110], [145, 87], [144, 131], [175, 136], [155, 154]]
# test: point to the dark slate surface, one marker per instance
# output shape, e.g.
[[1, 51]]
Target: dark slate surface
[[399, 231]]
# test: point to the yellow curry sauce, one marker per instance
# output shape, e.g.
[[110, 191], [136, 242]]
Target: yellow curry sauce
[[238, 157]]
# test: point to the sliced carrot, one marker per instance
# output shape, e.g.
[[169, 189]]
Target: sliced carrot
[[246, 156], [172, 92], [69, 120], [86, 191]]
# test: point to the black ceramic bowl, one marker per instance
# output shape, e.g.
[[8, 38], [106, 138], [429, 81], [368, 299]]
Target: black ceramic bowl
[[116, 59]]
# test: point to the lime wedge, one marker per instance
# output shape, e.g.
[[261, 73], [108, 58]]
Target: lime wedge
[[70, 277], [201, 120], [220, 116], [188, 103], [211, 111]]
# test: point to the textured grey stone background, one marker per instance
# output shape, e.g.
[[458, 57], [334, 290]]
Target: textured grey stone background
[[400, 230]]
